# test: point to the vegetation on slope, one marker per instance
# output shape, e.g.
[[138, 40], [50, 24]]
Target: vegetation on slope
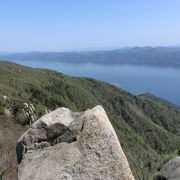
[[147, 127]]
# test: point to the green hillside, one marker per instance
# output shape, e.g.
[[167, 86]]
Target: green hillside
[[148, 128]]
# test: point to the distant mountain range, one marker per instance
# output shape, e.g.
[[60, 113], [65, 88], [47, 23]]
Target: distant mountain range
[[153, 56]]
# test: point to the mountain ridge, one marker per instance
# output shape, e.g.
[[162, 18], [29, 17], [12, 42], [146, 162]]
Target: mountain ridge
[[150, 56]]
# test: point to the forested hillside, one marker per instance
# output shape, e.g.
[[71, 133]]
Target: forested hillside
[[148, 128]]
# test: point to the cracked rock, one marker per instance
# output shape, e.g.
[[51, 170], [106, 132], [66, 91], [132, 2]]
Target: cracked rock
[[72, 146]]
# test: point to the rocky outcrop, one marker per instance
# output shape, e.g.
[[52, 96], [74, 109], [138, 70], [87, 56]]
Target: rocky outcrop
[[29, 111], [7, 105], [26, 109], [171, 170], [72, 146]]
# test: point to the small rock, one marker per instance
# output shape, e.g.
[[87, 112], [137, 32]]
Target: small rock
[[171, 170]]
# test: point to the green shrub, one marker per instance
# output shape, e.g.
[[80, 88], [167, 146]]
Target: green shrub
[[21, 118], [1, 110]]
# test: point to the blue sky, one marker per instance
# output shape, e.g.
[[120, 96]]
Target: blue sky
[[68, 25]]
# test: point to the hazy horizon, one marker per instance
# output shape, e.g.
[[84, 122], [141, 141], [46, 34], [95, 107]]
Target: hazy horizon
[[85, 50], [87, 26]]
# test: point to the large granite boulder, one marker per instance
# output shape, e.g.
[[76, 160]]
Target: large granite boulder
[[67, 145], [171, 170]]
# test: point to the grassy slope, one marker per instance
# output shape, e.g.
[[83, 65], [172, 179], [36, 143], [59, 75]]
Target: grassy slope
[[147, 127]]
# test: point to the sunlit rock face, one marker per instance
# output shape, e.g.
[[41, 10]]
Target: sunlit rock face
[[72, 146]]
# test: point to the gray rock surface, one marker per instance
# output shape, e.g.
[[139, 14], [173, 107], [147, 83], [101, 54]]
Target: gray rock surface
[[171, 170], [66, 145]]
